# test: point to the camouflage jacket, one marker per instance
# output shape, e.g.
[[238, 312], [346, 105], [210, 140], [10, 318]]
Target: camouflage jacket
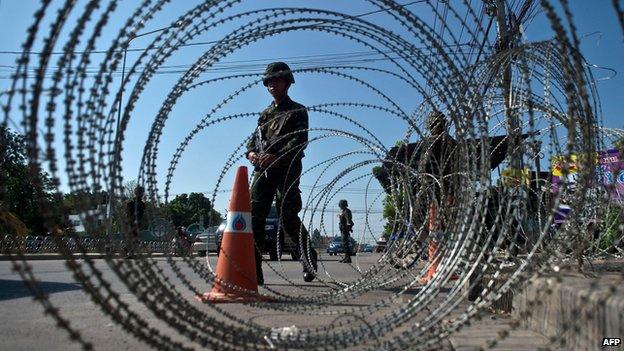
[[346, 220], [282, 130]]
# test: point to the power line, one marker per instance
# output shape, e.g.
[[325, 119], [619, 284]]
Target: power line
[[252, 68], [14, 52], [293, 59], [362, 190]]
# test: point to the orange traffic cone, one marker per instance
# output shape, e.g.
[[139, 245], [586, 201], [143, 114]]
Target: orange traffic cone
[[434, 260], [236, 266]]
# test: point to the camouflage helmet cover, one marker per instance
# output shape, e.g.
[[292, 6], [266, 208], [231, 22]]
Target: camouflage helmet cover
[[436, 117], [278, 70], [139, 191]]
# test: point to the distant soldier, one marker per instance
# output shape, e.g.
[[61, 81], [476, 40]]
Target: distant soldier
[[135, 209], [346, 227], [183, 242], [276, 151], [437, 156]]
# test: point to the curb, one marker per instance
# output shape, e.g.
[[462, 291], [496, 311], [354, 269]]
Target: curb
[[578, 311]]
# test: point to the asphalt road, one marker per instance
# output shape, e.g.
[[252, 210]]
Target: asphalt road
[[23, 326]]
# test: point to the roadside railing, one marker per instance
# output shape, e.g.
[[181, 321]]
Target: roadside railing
[[37, 244]]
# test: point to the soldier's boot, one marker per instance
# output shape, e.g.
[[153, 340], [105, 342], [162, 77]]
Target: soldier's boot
[[476, 286], [260, 277], [308, 275], [259, 274], [130, 249], [346, 259]]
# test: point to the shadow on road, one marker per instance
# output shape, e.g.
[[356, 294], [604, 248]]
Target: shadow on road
[[15, 289]]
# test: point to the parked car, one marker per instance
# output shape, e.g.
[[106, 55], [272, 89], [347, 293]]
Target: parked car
[[208, 241], [219, 234], [366, 248], [335, 246], [271, 229], [381, 245]]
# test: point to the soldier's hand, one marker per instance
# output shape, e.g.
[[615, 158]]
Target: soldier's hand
[[253, 158], [266, 160]]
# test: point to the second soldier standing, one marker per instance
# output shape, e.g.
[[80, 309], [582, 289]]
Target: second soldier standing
[[135, 208], [346, 227]]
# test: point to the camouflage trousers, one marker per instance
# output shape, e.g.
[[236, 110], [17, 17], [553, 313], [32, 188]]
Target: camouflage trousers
[[281, 184], [346, 242]]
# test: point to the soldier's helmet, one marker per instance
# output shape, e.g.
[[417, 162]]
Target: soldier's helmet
[[139, 191], [278, 70], [343, 203], [436, 117]]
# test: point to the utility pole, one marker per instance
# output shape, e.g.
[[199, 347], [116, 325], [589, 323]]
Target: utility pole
[[508, 29], [505, 41], [110, 205], [333, 214]]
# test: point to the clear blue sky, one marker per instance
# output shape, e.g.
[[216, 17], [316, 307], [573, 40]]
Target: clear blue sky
[[207, 153]]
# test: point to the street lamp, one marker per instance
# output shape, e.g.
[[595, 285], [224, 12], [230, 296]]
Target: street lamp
[[177, 24]]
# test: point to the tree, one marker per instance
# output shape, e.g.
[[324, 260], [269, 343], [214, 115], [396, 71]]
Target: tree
[[24, 193], [80, 201], [187, 209], [316, 238], [619, 144], [389, 214]]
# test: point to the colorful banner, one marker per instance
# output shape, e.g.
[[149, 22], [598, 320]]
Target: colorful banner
[[609, 174], [557, 170], [557, 163], [515, 177]]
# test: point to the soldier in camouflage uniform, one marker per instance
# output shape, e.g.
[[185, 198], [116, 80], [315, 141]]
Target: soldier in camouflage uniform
[[346, 227], [276, 151], [135, 209]]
